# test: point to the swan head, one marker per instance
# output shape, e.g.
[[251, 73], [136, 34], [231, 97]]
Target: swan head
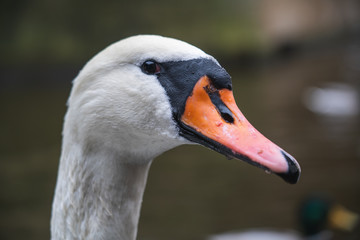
[[147, 94]]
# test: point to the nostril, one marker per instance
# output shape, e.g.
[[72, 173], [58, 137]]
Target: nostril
[[224, 111], [227, 117], [215, 98]]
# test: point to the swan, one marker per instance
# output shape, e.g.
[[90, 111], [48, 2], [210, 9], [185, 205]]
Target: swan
[[134, 100]]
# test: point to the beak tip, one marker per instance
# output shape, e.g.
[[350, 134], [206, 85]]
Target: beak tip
[[293, 174]]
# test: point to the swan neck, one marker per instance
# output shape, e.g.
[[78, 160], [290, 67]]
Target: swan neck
[[98, 195]]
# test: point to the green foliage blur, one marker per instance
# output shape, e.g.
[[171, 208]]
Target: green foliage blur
[[73, 31]]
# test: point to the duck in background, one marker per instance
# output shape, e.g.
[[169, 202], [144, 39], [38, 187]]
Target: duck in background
[[317, 215]]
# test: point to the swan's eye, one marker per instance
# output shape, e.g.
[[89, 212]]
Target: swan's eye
[[151, 67]]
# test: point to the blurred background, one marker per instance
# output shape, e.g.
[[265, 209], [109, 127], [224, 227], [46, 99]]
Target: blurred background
[[295, 67]]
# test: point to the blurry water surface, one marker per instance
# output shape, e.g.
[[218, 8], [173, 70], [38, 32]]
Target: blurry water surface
[[193, 192]]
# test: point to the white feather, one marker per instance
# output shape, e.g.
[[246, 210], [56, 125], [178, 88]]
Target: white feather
[[118, 120]]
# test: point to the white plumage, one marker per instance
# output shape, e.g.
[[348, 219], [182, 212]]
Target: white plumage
[[118, 120]]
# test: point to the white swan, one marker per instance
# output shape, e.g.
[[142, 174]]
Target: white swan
[[134, 100]]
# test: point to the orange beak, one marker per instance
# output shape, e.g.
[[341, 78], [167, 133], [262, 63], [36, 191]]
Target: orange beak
[[214, 115]]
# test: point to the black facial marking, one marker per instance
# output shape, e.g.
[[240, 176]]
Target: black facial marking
[[179, 78], [224, 111]]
